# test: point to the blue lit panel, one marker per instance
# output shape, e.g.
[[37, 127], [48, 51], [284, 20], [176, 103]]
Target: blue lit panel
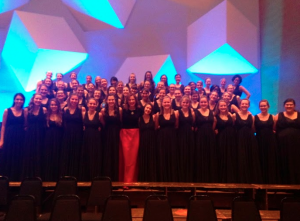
[[7, 5], [29, 62], [224, 60], [168, 69]]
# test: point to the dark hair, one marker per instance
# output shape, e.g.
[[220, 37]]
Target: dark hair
[[148, 103], [19, 94], [165, 83], [289, 100], [59, 73], [151, 80], [177, 75], [129, 78], [116, 108], [31, 103], [237, 76], [136, 101], [216, 88], [73, 73], [113, 79], [58, 120]]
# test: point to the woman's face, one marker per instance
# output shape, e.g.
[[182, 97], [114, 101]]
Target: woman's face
[[44, 91], [236, 81], [60, 85], [226, 96], [214, 96], [222, 107], [264, 107], [91, 87], [223, 83], [92, 104], [178, 94], [162, 94], [88, 79], [37, 100], [230, 88], [193, 86], [74, 101], [74, 84], [18, 101], [59, 77], [132, 78], [187, 90], [147, 109], [97, 95], [203, 103], [80, 91], [111, 101], [112, 90], [172, 88], [289, 106], [166, 103], [185, 104], [131, 101], [195, 97], [177, 78], [133, 90], [49, 74], [103, 83], [208, 82], [160, 85], [244, 105], [48, 82], [98, 80], [163, 78], [147, 85], [199, 85], [60, 95], [120, 86], [53, 106], [145, 95], [148, 76], [125, 91], [73, 76]]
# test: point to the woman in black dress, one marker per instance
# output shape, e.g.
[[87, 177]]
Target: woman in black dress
[[45, 99], [226, 143], [91, 157], [206, 167], [267, 143], [176, 102], [53, 141], [195, 100], [147, 150], [288, 135], [112, 125], [12, 138], [72, 139], [213, 100], [61, 97], [186, 144], [167, 122], [145, 98], [158, 103], [238, 89], [34, 137], [207, 86], [249, 170]]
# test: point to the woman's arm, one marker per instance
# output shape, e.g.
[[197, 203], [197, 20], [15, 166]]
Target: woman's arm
[[4, 119]]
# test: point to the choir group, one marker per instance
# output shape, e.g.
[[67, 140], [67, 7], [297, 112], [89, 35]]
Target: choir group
[[148, 132]]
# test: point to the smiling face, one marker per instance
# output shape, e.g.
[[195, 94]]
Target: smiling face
[[264, 107], [73, 76], [103, 83], [48, 82], [74, 100], [195, 97], [145, 95], [131, 101], [111, 101], [92, 104], [53, 107], [208, 82], [44, 91], [147, 85], [185, 103], [214, 96], [132, 78], [18, 101], [80, 91], [162, 94], [166, 103], [187, 90], [203, 103], [74, 84], [49, 74], [236, 81], [59, 76], [37, 100], [60, 95], [148, 76], [98, 80], [112, 90], [177, 94], [88, 79], [289, 107], [244, 105], [177, 78], [222, 107], [97, 94], [125, 91], [163, 78], [120, 86], [147, 109]]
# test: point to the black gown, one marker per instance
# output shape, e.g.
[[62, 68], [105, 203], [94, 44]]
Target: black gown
[[111, 146], [206, 165], [249, 170], [268, 150], [186, 145], [227, 150], [51, 156], [147, 158], [71, 144], [34, 144], [167, 149], [288, 135], [13, 146], [91, 156], [174, 106]]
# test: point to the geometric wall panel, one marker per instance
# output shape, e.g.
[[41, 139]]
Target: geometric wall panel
[[37, 43], [7, 5], [223, 41], [112, 12], [157, 64]]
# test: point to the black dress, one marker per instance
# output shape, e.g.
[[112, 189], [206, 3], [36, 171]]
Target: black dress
[[72, 142], [13, 146], [174, 106], [268, 150], [156, 108], [111, 146], [34, 144], [147, 151], [227, 150], [167, 149], [237, 91], [249, 170], [186, 145], [51, 158], [91, 157], [206, 167], [288, 134]]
